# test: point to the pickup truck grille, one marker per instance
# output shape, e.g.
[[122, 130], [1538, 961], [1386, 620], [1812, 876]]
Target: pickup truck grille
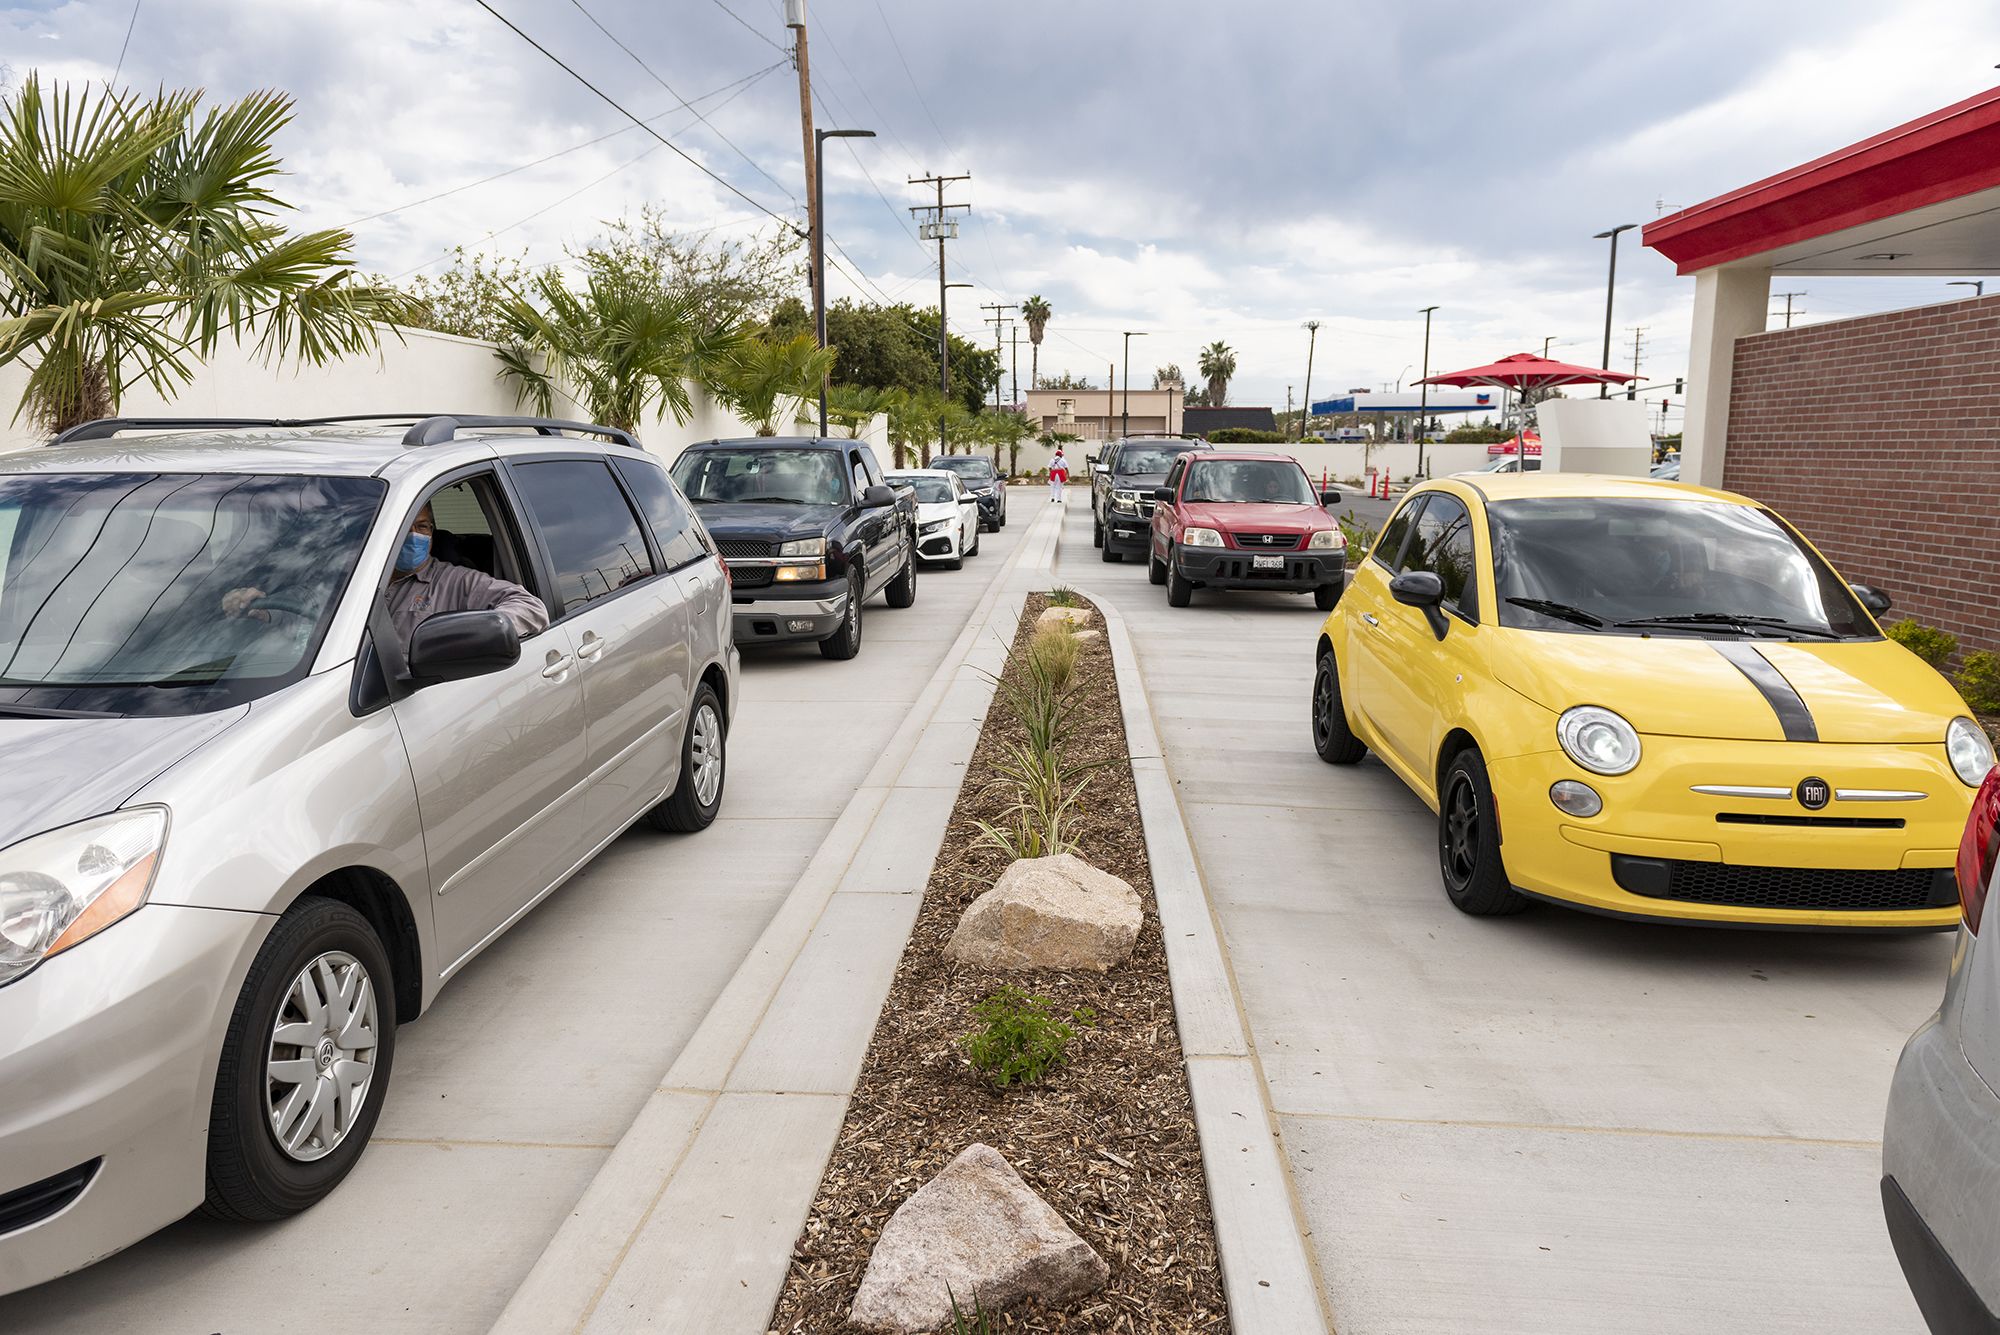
[[750, 577], [747, 546], [1270, 542]]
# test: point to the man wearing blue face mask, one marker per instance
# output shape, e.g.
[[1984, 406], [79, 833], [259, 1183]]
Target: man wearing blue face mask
[[423, 586]]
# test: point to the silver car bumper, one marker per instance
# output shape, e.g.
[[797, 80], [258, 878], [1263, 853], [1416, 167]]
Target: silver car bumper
[[108, 1053], [1941, 1155]]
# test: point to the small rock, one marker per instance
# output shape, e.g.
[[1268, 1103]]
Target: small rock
[[1076, 616], [975, 1232], [1049, 913], [1088, 634]]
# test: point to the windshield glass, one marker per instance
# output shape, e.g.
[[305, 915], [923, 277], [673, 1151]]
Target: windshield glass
[[784, 477], [968, 466], [1146, 459], [1676, 565], [112, 586], [1255, 480], [930, 490]]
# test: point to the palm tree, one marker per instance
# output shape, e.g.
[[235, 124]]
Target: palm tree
[[1036, 311], [852, 406], [1218, 364], [621, 343], [766, 374], [134, 236]]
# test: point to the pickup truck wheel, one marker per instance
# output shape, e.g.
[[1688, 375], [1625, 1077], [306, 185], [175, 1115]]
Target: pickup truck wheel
[[1156, 569], [902, 590], [1326, 597], [698, 796], [1332, 738], [845, 643], [1096, 530], [1179, 592]]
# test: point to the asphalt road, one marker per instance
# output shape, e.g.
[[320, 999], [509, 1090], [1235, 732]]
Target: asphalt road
[[510, 1092], [1545, 1124]]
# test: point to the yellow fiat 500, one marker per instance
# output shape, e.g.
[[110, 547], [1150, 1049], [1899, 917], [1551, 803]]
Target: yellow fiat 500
[[1648, 700]]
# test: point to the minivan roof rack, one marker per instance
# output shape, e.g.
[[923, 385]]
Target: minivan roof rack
[[427, 428]]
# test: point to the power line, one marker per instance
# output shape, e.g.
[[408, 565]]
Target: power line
[[613, 103], [130, 24], [655, 76], [751, 28], [898, 49]]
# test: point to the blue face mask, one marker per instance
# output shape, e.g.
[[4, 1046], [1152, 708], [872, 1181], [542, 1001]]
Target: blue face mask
[[416, 550]]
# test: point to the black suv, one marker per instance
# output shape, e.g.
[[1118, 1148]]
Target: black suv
[[1122, 481], [983, 480]]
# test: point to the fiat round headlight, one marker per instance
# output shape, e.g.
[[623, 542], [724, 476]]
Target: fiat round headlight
[[1970, 751], [1598, 740]]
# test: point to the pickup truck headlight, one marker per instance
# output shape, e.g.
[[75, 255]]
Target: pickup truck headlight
[[1200, 537], [1598, 740], [803, 547], [1125, 502], [1970, 751], [1327, 539], [63, 887]]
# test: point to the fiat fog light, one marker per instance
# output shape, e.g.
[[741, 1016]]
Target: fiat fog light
[[1575, 798], [1969, 749], [1598, 740]]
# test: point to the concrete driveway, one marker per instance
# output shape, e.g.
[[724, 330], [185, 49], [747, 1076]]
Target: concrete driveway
[[509, 1094], [1549, 1123]]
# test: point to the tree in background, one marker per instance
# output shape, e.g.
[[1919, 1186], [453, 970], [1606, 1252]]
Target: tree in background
[[1004, 430], [1036, 311], [1218, 367], [892, 347], [1064, 380], [134, 236], [1167, 375], [470, 297], [853, 406], [767, 375], [623, 340], [729, 281]]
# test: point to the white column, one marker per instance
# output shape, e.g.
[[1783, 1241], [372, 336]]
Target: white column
[[1727, 304]]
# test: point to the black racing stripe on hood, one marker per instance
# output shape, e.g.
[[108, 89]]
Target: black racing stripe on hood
[[1785, 701]]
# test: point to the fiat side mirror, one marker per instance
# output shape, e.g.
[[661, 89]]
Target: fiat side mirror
[[1423, 590], [1872, 598]]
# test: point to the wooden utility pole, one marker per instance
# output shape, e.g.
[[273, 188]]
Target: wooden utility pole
[[938, 227], [996, 320], [795, 19]]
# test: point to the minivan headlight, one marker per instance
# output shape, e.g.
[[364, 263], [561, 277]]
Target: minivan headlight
[[1598, 740], [803, 547], [1969, 749], [63, 887]]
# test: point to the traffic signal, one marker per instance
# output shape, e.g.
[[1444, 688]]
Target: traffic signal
[[1678, 391]]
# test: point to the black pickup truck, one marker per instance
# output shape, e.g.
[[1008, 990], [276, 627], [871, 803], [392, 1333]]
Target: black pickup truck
[[808, 530]]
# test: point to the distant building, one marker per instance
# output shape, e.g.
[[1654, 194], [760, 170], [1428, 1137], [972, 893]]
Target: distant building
[[1100, 414], [1201, 421]]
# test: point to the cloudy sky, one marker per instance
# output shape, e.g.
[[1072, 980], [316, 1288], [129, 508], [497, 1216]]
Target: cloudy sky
[[1195, 170]]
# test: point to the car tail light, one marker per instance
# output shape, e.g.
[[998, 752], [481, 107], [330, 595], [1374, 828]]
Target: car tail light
[[1979, 849]]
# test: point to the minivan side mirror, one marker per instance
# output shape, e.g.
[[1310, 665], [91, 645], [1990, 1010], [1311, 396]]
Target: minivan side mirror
[[877, 496], [455, 645], [1165, 494], [1329, 498], [1872, 598]]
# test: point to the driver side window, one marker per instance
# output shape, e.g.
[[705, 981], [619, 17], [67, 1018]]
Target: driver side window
[[475, 529], [860, 471], [1174, 475]]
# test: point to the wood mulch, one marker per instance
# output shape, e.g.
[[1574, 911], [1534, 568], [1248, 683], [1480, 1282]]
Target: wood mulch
[[1109, 1141]]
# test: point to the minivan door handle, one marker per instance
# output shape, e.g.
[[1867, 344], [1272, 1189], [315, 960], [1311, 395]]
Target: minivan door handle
[[559, 663], [592, 645]]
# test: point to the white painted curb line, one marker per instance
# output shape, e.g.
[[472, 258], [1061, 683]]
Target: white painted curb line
[[689, 1224], [1267, 1267]]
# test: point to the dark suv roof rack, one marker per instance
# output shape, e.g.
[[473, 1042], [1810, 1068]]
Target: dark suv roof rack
[[427, 428]]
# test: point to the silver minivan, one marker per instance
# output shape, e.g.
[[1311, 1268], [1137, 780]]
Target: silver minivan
[[243, 838]]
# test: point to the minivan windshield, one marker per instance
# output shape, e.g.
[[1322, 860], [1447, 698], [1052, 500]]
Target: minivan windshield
[[773, 477], [1621, 565], [1248, 480], [112, 585], [1144, 460]]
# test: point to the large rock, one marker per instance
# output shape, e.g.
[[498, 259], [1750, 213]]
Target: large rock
[[976, 1231], [1049, 913], [1076, 616]]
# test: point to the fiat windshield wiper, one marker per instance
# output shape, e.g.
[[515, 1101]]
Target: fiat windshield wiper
[[1560, 611], [1739, 619]]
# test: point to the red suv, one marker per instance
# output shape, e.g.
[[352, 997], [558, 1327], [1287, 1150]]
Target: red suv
[[1227, 520]]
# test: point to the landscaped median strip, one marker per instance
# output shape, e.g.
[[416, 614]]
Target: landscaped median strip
[[689, 1224], [1267, 1268]]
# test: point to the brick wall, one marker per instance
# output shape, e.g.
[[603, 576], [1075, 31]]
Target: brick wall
[[1879, 437]]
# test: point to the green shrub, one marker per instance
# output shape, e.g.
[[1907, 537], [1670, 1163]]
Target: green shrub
[[979, 1323], [1929, 643], [1052, 653], [1062, 595], [1243, 435], [1020, 1037], [1359, 537], [1979, 681]]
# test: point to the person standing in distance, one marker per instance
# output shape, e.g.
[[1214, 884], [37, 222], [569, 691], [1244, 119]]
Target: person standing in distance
[[1058, 474]]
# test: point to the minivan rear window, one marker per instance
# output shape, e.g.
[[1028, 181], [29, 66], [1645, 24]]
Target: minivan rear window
[[170, 593]]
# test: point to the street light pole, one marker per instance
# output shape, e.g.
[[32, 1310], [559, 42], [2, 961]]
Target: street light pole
[[1125, 416], [1545, 346], [1424, 400], [1978, 285], [1610, 285], [1306, 407], [819, 239]]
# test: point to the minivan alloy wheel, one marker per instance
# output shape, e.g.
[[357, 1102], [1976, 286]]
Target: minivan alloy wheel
[[322, 1056], [706, 754]]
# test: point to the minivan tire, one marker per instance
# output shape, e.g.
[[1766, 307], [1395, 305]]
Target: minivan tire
[[684, 811], [845, 643], [251, 1179]]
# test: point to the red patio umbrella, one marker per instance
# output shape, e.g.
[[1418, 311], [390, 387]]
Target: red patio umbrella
[[1525, 370]]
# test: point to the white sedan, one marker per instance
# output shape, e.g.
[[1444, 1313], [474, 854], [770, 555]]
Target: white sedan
[[947, 514]]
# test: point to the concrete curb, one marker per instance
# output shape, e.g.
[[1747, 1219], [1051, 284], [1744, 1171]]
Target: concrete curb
[[689, 1223], [1267, 1266]]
